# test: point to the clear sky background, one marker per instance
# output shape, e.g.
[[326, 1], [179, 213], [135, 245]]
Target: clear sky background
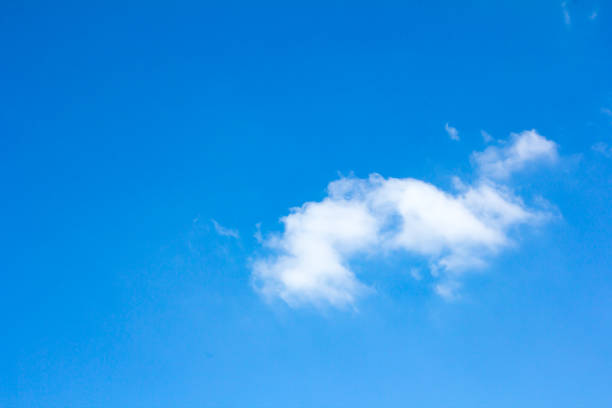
[[126, 129]]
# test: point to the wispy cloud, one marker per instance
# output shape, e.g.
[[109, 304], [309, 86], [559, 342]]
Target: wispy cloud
[[454, 232], [257, 235], [593, 15], [486, 136], [226, 232], [602, 148], [453, 133], [566, 15]]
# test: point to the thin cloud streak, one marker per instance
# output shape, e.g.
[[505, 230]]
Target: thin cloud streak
[[223, 231], [603, 149], [453, 133], [486, 136], [566, 15]]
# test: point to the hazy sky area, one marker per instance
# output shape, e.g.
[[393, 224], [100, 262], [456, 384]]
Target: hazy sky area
[[326, 204]]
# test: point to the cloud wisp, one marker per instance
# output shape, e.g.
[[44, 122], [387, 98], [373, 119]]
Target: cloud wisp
[[602, 148], [454, 232], [566, 15], [453, 133], [486, 137], [224, 231]]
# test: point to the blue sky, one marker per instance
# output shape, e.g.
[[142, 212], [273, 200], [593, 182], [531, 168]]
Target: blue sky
[[327, 204]]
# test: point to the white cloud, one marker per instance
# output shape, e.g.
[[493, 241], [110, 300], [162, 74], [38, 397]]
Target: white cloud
[[310, 264], [454, 232], [486, 136], [566, 14], [226, 232], [452, 132], [593, 15], [524, 148]]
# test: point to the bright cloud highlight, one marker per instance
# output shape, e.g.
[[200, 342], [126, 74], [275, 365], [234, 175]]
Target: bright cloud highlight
[[524, 148], [454, 232]]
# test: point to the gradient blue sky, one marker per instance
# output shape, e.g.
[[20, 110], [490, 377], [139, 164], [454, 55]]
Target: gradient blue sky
[[128, 128]]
